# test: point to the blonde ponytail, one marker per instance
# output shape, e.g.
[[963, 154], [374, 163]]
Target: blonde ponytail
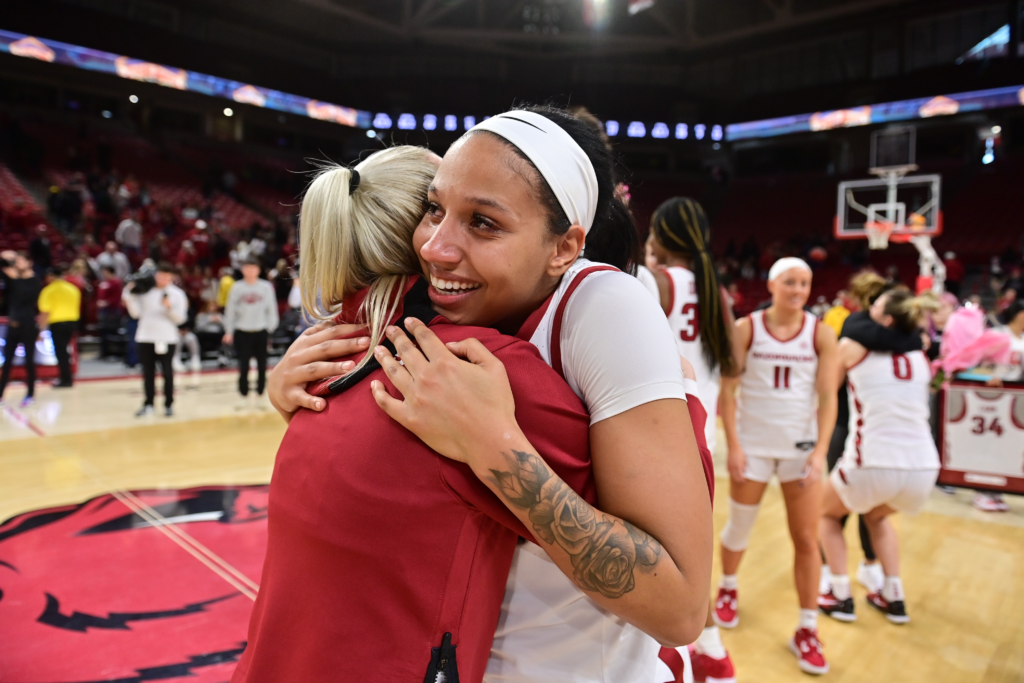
[[866, 286], [357, 233], [909, 311]]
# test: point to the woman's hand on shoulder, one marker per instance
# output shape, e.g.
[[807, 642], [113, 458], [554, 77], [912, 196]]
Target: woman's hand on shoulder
[[459, 409], [309, 358]]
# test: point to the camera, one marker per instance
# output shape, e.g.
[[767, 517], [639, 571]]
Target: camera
[[142, 281]]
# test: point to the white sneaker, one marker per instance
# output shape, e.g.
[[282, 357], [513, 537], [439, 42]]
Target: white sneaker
[[871, 576], [990, 502], [244, 403]]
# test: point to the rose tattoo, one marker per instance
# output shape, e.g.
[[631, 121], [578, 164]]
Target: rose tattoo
[[604, 551]]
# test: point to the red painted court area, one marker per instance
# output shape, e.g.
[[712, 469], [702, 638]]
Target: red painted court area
[[131, 586]]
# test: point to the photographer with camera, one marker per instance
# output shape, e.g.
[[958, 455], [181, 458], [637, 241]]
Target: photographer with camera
[[21, 290], [159, 306]]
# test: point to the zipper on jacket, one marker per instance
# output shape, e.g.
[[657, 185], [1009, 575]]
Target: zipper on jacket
[[443, 667]]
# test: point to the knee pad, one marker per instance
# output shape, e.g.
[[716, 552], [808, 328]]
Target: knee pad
[[736, 533]]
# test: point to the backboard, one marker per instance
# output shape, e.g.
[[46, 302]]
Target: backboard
[[909, 204]]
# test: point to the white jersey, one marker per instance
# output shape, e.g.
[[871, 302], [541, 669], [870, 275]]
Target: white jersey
[[777, 411], [684, 319], [549, 631], [1014, 369], [984, 432], [889, 427]]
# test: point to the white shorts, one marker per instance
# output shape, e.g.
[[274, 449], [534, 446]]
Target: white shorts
[[786, 469], [863, 489]]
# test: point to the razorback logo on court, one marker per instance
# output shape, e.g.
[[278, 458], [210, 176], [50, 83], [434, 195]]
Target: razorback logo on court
[[95, 592]]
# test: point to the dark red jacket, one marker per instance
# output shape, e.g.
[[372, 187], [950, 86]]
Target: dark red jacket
[[378, 546]]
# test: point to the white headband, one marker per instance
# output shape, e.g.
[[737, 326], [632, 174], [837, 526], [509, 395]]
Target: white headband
[[561, 162], [784, 264]]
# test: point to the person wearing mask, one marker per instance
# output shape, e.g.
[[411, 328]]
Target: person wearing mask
[[21, 289], [60, 307], [249, 318], [159, 312]]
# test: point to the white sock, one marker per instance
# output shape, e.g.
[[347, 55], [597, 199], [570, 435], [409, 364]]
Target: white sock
[[841, 586], [809, 619], [729, 581], [710, 643], [893, 589]]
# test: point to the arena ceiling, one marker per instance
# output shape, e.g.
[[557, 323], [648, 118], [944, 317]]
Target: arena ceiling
[[722, 58]]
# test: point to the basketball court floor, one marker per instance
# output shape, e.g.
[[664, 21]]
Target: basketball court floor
[[132, 548]]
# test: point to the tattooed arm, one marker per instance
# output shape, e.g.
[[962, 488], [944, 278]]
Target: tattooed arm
[[604, 551], [645, 556]]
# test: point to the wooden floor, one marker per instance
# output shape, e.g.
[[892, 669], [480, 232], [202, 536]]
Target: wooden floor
[[962, 569]]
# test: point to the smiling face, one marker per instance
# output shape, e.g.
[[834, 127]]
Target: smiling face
[[484, 242], [791, 289]]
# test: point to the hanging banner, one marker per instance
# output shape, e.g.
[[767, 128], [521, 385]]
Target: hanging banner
[[904, 110], [55, 52]]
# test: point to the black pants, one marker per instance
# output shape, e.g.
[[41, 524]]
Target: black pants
[[149, 358], [247, 345], [108, 323], [835, 451], [26, 336], [62, 334]]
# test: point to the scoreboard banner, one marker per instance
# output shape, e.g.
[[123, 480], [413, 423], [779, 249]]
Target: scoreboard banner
[[981, 436], [55, 52]]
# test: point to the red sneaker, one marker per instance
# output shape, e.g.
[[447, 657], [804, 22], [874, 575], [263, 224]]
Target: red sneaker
[[806, 646], [710, 670], [727, 608]]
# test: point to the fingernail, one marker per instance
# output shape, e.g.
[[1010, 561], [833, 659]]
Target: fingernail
[[363, 341], [410, 321], [379, 351], [347, 365], [319, 405]]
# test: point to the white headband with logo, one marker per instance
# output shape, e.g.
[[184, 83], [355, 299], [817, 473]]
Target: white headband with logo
[[561, 162], [784, 264]]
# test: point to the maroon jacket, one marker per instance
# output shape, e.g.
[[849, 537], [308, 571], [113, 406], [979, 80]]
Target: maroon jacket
[[379, 548]]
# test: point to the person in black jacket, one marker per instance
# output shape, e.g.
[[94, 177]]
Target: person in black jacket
[[21, 289]]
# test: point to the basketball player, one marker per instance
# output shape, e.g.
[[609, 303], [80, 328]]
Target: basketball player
[[548, 632], [388, 548], [780, 426], [890, 463], [693, 301]]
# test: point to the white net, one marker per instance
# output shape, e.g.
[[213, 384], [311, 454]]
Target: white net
[[878, 233]]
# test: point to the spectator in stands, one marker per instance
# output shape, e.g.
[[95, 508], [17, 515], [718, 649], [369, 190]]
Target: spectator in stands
[[159, 312], [21, 290], [186, 257], [89, 247], [227, 281], [60, 307], [115, 259], [841, 309], [954, 273], [39, 251], [249, 319], [129, 235], [108, 308], [199, 237]]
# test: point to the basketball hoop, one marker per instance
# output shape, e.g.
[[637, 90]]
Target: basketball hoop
[[878, 233]]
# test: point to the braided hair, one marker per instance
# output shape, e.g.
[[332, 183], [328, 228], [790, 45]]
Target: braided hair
[[681, 227]]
